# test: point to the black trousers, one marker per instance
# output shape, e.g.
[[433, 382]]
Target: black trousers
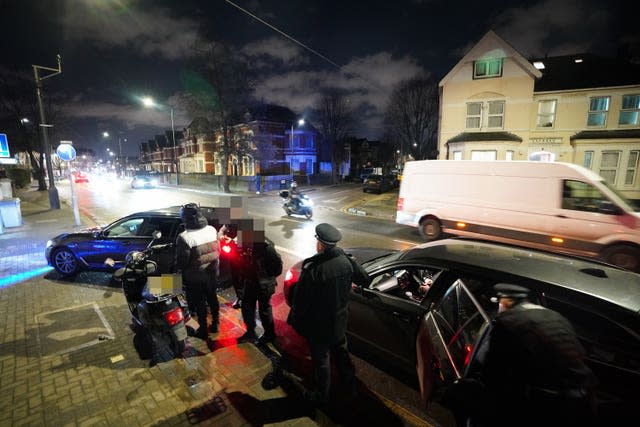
[[255, 295], [201, 291], [322, 366]]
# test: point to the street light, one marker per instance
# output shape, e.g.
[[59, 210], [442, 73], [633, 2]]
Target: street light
[[300, 123], [106, 135], [148, 102], [54, 200]]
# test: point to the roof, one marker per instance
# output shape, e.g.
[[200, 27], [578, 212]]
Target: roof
[[609, 283], [591, 71], [485, 136], [269, 113], [607, 134]]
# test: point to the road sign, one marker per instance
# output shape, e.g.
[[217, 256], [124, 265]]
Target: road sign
[[66, 152], [4, 146]]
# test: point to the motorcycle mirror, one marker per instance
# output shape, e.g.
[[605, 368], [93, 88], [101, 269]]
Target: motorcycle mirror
[[157, 234], [110, 262]]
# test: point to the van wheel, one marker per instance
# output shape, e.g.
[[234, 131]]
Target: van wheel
[[430, 229], [625, 256]]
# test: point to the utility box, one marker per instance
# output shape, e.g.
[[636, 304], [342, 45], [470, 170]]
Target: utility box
[[5, 188], [10, 212]]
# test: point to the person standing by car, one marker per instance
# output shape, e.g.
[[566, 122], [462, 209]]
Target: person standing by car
[[197, 257], [534, 367], [319, 310], [260, 266]]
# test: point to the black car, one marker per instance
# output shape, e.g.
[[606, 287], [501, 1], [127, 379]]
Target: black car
[[70, 253], [434, 336], [377, 183]]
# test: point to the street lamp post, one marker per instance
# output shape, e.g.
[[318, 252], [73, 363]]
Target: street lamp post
[[54, 200], [149, 102]]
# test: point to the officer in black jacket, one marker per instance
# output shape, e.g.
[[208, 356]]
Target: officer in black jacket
[[534, 369], [319, 310]]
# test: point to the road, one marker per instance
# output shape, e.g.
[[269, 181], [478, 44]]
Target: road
[[294, 237]]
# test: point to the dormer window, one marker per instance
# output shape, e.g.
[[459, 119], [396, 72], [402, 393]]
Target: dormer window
[[487, 68]]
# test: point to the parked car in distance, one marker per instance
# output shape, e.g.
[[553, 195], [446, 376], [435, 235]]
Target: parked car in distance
[[394, 180], [79, 177], [144, 181], [377, 184], [369, 171], [435, 336]]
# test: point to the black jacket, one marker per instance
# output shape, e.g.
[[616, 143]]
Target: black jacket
[[319, 309]]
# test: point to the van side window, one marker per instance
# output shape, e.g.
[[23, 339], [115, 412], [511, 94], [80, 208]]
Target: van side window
[[581, 196]]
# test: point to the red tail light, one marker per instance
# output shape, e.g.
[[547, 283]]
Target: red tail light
[[174, 316], [468, 349], [400, 203], [290, 279]]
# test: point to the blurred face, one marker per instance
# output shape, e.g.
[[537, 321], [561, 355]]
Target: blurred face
[[504, 304]]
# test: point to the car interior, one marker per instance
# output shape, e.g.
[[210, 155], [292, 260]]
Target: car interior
[[409, 283]]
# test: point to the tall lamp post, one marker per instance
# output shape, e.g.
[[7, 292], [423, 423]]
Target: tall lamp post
[[150, 103], [54, 199]]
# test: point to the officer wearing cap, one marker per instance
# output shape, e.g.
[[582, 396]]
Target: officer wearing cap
[[319, 311], [534, 368]]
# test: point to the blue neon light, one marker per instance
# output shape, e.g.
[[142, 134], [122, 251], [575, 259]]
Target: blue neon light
[[4, 145], [16, 278]]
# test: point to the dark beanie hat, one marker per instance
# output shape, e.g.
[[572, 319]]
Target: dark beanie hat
[[192, 217]]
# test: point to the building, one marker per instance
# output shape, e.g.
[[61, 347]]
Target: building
[[583, 109]]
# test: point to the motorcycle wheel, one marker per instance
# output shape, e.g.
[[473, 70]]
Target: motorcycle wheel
[[308, 213]]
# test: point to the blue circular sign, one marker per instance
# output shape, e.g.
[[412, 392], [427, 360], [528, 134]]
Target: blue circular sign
[[66, 152]]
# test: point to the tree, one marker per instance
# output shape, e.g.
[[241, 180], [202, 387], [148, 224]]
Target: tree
[[18, 102], [218, 89], [335, 116], [411, 117]]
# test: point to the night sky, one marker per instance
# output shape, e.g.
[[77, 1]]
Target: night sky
[[115, 51]]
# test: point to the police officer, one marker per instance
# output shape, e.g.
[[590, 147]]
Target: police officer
[[534, 369], [319, 310], [197, 256]]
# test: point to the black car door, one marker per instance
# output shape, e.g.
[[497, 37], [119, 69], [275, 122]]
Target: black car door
[[114, 242], [384, 321], [450, 336]]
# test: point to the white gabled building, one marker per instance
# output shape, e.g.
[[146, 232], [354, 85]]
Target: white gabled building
[[497, 105]]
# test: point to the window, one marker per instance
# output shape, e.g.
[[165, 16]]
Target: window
[[474, 115], [508, 155], [598, 109], [609, 165], [630, 110], [483, 154], [632, 167], [581, 196], [546, 113], [496, 114], [487, 68], [588, 158], [457, 155]]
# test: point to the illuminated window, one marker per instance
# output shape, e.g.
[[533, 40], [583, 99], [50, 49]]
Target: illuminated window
[[457, 155], [632, 167], [508, 155], [588, 158], [630, 110], [598, 109], [496, 114], [474, 115], [546, 113], [483, 154], [487, 68], [609, 166]]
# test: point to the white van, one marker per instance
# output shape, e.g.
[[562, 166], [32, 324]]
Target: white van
[[554, 206]]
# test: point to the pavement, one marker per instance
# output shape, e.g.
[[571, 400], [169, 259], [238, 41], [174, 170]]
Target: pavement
[[69, 358]]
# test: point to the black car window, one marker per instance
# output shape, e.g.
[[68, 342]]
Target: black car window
[[125, 228], [410, 283], [164, 225], [460, 321]]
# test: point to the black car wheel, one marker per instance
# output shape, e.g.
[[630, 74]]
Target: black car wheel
[[65, 262], [430, 228], [625, 256]]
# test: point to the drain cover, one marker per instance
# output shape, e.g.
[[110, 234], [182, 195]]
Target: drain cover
[[69, 329]]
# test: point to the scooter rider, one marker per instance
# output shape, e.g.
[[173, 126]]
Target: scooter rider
[[197, 256], [294, 196]]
